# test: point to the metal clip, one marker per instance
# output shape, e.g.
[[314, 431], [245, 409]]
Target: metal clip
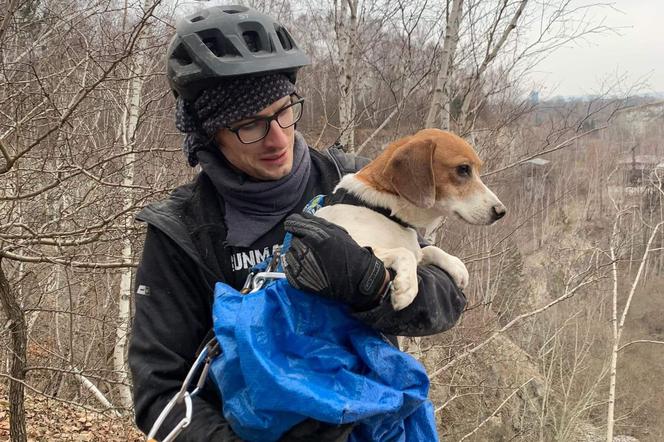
[[261, 278], [274, 262], [246, 288], [205, 357]]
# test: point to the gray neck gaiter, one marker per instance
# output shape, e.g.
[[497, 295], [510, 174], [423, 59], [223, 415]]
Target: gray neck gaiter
[[254, 207]]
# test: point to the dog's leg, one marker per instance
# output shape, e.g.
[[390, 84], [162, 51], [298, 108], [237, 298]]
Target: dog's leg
[[450, 263], [404, 286]]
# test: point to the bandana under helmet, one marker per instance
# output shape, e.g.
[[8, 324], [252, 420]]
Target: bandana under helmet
[[229, 101]]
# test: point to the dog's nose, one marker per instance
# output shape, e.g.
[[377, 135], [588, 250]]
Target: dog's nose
[[498, 212]]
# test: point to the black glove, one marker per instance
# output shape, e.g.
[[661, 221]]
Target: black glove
[[311, 430], [324, 259]]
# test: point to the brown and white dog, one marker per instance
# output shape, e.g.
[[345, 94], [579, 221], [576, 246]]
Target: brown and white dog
[[419, 179]]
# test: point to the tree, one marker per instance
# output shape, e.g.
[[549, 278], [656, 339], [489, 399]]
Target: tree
[[136, 68], [618, 318], [479, 35], [345, 28], [439, 109], [58, 91]]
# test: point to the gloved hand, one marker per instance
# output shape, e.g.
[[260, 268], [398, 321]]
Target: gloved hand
[[324, 259], [310, 430]]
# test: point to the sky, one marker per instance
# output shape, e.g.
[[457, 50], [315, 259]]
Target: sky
[[635, 52]]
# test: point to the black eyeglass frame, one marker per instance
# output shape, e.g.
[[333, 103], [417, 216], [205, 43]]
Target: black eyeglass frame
[[268, 120]]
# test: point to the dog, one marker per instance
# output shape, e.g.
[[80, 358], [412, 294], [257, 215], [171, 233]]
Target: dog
[[414, 182]]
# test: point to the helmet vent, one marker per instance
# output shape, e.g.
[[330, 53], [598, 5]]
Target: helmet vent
[[217, 43], [182, 56], [198, 16], [284, 38], [237, 9], [212, 45], [252, 40]]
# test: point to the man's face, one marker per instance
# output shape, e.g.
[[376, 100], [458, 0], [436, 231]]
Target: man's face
[[268, 159]]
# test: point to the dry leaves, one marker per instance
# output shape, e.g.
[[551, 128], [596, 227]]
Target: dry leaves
[[50, 420]]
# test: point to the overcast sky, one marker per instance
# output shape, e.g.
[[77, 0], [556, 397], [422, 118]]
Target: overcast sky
[[636, 51]]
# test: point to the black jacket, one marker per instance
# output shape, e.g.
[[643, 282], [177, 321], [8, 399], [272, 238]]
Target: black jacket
[[184, 255]]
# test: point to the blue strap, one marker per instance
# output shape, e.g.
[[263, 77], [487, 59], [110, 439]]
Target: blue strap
[[312, 207], [316, 203]]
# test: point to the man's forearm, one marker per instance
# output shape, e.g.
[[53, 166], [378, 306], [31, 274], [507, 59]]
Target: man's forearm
[[436, 308]]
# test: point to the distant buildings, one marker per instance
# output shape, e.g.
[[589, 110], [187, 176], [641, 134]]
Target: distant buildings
[[636, 170], [533, 98]]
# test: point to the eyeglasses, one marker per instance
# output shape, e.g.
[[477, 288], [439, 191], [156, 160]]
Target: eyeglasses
[[258, 128]]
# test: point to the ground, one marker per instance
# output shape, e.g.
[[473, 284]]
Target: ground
[[51, 420]]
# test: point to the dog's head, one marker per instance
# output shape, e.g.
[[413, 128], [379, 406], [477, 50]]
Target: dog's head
[[439, 171]]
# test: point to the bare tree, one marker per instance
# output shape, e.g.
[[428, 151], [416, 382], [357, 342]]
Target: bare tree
[[19, 341], [439, 109], [58, 95], [345, 27], [618, 318], [136, 68]]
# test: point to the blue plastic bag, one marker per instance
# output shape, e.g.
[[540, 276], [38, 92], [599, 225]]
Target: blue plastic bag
[[288, 355]]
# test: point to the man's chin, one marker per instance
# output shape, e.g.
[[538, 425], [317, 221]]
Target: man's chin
[[276, 173]]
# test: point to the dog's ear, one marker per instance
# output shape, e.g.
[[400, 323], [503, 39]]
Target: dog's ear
[[410, 170]]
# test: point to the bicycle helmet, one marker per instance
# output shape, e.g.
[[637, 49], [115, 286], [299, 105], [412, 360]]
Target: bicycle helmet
[[219, 42]]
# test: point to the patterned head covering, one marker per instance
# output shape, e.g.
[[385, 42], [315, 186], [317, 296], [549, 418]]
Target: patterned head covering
[[229, 101]]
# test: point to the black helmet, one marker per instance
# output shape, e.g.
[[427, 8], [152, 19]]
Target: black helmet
[[228, 41]]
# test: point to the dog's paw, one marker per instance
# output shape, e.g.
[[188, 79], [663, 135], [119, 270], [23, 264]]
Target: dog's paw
[[404, 290], [458, 271], [450, 263], [404, 285]]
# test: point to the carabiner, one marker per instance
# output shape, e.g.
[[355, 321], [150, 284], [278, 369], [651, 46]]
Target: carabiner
[[261, 278], [209, 352], [184, 422]]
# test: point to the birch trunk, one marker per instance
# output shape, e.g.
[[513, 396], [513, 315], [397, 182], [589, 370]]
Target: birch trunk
[[91, 387], [619, 325], [614, 347], [128, 128], [466, 116], [345, 27], [439, 109]]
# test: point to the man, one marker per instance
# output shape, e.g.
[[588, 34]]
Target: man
[[233, 71]]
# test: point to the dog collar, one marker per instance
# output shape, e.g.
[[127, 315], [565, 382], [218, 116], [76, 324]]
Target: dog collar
[[342, 196]]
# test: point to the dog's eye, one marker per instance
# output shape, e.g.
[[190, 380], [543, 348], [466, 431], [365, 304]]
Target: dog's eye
[[464, 170]]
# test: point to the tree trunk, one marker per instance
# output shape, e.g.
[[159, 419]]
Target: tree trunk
[[615, 344], [346, 31], [128, 130], [439, 109], [18, 330], [619, 325], [467, 115], [124, 296]]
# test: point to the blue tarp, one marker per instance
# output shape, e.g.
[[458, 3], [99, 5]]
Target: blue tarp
[[287, 355]]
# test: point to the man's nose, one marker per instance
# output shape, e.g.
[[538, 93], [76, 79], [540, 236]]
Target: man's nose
[[276, 136]]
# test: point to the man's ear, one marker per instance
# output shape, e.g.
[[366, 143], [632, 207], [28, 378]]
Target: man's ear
[[410, 170]]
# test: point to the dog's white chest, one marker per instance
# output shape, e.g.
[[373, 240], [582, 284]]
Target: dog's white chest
[[371, 229]]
